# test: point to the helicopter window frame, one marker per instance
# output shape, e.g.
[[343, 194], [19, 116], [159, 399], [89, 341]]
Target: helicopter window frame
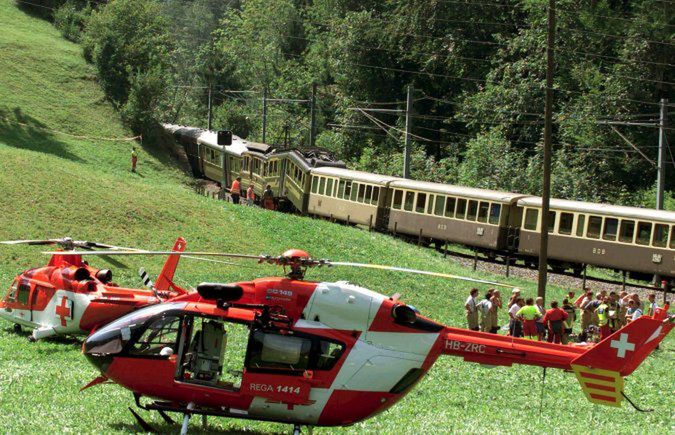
[[13, 291], [314, 361], [167, 320], [23, 293]]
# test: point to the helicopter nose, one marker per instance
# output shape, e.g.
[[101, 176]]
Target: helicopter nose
[[101, 346]]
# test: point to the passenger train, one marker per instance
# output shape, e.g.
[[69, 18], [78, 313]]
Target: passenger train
[[496, 224]]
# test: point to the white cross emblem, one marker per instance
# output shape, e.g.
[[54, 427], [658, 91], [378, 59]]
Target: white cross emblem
[[622, 345]]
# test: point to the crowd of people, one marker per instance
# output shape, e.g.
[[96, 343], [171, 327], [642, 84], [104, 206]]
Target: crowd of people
[[599, 314], [267, 196]]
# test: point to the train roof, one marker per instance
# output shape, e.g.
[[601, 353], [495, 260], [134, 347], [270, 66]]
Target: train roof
[[366, 177], [210, 138], [602, 209], [452, 190]]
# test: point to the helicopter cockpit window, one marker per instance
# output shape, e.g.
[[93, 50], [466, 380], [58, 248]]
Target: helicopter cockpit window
[[159, 339], [274, 351], [13, 291], [24, 292]]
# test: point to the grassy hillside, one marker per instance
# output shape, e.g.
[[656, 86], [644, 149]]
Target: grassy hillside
[[54, 185]]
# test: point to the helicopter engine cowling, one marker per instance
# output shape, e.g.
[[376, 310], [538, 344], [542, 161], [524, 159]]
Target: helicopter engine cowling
[[75, 273], [220, 292]]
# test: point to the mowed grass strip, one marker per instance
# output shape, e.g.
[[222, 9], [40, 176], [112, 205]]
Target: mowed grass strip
[[53, 185]]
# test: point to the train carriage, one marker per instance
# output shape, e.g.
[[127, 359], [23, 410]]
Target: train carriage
[[349, 196], [474, 217], [623, 238], [295, 181]]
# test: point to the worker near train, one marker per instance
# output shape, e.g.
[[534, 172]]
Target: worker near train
[[634, 311], [515, 326], [586, 310], [553, 320], [134, 159], [235, 190], [541, 326], [650, 305], [250, 195], [603, 318], [568, 323], [268, 198], [471, 310], [496, 301], [528, 315]]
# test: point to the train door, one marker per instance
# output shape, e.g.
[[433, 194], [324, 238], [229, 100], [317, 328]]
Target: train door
[[383, 208], [512, 216]]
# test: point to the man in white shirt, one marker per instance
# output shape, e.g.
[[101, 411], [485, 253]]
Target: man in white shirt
[[515, 327], [471, 310]]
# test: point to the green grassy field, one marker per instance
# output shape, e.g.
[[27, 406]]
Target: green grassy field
[[54, 185]]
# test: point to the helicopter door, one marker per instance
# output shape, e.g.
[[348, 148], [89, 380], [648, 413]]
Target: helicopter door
[[207, 349]]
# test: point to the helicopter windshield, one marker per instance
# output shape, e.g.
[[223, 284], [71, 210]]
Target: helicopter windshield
[[112, 338]]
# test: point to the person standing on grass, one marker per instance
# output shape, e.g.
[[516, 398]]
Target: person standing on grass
[[568, 324], [134, 159], [650, 305], [515, 295], [235, 190], [554, 319], [529, 315], [496, 301], [250, 195], [486, 313], [472, 310], [268, 198], [515, 327], [586, 311], [633, 312], [603, 318], [541, 327]]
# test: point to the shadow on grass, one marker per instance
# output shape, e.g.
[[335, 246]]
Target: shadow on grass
[[195, 427], [23, 131]]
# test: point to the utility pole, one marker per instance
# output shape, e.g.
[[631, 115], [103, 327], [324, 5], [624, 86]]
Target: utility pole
[[661, 168], [264, 115], [210, 116], [312, 115], [408, 127], [548, 130]]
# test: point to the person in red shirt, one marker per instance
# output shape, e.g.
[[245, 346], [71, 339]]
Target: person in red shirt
[[554, 320]]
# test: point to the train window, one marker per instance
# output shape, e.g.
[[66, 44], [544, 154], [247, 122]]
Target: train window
[[348, 189], [362, 192], [322, 185], [611, 227], [644, 233], [461, 209], [581, 223], [355, 190], [483, 209], [430, 204], [594, 227], [256, 166], [627, 231], [450, 207], [472, 210], [565, 225], [341, 189], [660, 239], [369, 194], [329, 187], [376, 195], [398, 199], [531, 218], [551, 221], [315, 184], [421, 202], [409, 198], [672, 238], [440, 206], [495, 211]]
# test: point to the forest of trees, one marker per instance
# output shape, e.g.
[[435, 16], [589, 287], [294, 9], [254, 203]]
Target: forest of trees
[[477, 66]]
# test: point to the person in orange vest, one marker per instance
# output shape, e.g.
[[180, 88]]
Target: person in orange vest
[[235, 190], [250, 195], [134, 159], [268, 198]]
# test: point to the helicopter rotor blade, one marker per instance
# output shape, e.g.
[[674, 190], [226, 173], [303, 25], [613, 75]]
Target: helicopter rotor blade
[[30, 242], [416, 271], [150, 253]]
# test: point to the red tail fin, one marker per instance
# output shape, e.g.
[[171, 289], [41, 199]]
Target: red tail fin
[[165, 278], [600, 371]]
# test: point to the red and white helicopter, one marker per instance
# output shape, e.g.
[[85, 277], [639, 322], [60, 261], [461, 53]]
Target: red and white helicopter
[[70, 297], [321, 353]]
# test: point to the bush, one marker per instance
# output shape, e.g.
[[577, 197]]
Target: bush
[[71, 19]]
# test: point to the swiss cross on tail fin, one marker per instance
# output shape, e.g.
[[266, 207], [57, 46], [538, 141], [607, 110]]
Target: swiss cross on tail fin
[[165, 278], [600, 371]]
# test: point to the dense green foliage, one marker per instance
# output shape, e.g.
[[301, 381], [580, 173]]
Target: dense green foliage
[[55, 184], [478, 69]]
